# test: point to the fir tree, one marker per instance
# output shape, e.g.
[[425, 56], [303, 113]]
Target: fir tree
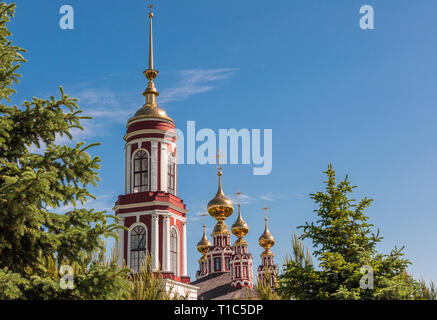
[[35, 240], [344, 243]]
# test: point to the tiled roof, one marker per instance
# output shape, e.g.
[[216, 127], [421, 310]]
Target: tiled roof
[[217, 286]]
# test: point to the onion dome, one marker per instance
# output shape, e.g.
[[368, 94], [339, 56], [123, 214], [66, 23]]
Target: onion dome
[[266, 240], [240, 227], [220, 207], [204, 243]]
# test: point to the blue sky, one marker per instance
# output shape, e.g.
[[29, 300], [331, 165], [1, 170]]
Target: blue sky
[[331, 93]]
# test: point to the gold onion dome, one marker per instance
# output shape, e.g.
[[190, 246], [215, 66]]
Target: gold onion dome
[[204, 243], [220, 207], [240, 227], [266, 240]]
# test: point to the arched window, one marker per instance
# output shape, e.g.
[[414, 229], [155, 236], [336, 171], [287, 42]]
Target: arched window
[[171, 183], [138, 242], [141, 172], [174, 251]]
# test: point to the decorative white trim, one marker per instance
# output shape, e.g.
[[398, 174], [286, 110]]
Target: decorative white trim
[[167, 134], [128, 169], [120, 243], [154, 170], [155, 242], [164, 167], [144, 119], [147, 204], [166, 244], [133, 225], [184, 249]]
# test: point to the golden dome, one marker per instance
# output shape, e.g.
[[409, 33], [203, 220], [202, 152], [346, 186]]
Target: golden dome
[[220, 228], [151, 111], [266, 240], [239, 242], [204, 243], [220, 207], [240, 227]]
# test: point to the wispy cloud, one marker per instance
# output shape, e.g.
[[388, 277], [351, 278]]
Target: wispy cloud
[[194, 82], [105, 104], [271, 196], [245, 199]]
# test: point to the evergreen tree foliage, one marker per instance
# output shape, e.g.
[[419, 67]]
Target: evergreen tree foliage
[[35, 240], [343, 243]]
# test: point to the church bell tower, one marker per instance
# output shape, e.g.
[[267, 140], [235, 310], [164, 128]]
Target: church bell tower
[[150, 207]]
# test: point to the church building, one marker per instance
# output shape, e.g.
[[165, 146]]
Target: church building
[[156, 218]]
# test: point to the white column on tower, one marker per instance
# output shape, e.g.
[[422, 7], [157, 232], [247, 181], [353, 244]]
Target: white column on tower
[[120, 243], [166, 244], [154, 169], [155, 242], [164, 166], [184, 248], [128, 169]]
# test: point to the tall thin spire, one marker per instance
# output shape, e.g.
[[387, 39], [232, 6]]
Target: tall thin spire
[[150, 37], [219, 168], [151, 93]]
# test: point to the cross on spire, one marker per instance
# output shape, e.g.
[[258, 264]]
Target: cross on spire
[[150, 7], [203, 215], [239, 193], [218, 156], [265, 209]]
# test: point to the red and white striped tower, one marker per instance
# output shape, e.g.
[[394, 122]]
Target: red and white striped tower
[[267, 269], [150, 207], [241, 261]]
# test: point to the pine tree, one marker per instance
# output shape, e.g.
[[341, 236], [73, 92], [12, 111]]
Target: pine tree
[[345, 247], [35, 240]]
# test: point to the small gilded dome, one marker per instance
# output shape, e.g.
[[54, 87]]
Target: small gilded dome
[[240, 227], [220, 207], [203, 244], [149, 111], [220, 228], [266, 240]]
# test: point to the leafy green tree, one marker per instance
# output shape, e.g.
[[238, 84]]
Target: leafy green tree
[[35, 240], [344, 243]]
